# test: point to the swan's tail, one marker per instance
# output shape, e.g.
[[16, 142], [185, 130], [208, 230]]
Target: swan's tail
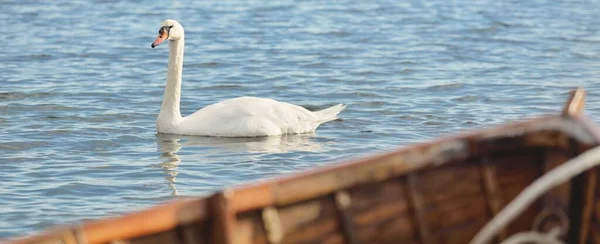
[[330, 113]]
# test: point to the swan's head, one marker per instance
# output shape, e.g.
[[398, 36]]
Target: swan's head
[[170, 30]]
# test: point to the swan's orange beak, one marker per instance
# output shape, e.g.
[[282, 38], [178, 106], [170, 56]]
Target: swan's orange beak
[[162, 35]]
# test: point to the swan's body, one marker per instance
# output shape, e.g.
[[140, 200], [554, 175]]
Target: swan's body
[[237, 117]]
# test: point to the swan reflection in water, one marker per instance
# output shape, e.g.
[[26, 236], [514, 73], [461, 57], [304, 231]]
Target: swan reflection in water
[[170, 144]]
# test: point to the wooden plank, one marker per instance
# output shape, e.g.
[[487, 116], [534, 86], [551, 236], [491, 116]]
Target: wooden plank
[[250, 229], [461, 233], [301, 214], [446, 183], [493, 194], [416, 203], [154, 220], [163, 237], [253, 197], [342, 203], [272, 225], [322, 183], [400, 229], [56, 235], [333, 238], [576, 102], [223, 218], [574, 107], [314, 232], [195, 233], [380, 213], [588, 207], [557, 199], [370, 197], [455, 213], [595, 235]]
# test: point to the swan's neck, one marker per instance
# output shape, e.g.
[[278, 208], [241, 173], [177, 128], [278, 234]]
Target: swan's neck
[[169, 111]]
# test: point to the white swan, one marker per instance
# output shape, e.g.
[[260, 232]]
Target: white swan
[[237, 117]]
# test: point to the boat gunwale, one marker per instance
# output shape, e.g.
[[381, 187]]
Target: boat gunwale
[[264, 187]]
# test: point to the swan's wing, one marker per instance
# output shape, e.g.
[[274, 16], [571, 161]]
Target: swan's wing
[[250, 115], [286, 113]]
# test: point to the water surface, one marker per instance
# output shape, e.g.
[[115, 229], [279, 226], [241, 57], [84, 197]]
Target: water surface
[[80, 89]]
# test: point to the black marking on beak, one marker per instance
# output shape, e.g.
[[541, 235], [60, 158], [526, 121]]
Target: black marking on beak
[[167, 29], [162, 30]]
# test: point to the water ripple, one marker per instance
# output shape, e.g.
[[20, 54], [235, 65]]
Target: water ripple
[[80, 89]]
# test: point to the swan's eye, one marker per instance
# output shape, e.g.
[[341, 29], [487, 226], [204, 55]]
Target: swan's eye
[[165, 28]]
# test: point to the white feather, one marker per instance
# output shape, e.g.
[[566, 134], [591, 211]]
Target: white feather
[[237, 117]]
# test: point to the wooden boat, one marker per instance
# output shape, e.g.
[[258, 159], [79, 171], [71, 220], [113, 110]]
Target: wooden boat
[[443, 191]]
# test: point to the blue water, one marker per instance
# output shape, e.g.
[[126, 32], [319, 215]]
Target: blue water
[[80, 89]]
